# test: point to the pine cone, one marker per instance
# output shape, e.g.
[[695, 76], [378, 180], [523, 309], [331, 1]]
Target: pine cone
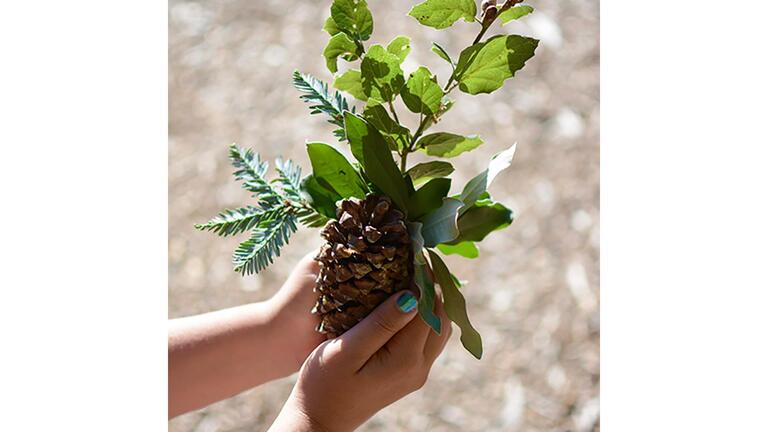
[[367, 257]]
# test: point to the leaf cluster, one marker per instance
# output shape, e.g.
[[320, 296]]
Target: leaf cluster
[[380, 141]]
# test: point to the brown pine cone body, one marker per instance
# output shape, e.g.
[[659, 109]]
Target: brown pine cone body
[[366, 258]]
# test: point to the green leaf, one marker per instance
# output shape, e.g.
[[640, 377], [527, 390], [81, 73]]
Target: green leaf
[[351, 82], [422, 93], [423, 172], [427, 297], [339, 44], [483, 67], [417, 241], [319, 197], [400, 46], [484, 217], [444, 144], [371, 149], [442, 53], [467, 249], [332, 170], [256, 253], [382, 76], [331, 27], [396, 134], [440, 225], [356, 129], [353, 18], [514, 13], [479, 184], [428, 197], [441, 14], [456, 306]]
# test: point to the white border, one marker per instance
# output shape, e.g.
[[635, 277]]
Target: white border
[[684, 216], [83, 149]]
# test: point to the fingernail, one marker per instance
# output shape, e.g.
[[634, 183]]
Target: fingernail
[[406, 302]]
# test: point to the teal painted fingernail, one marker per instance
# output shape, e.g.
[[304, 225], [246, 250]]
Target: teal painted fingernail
[[406, 302]]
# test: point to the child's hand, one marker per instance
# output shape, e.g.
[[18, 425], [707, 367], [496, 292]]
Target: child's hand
[[348, 379], [292, 307]]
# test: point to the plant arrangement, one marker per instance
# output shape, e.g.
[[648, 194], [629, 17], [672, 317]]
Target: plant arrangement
[[385, 223]]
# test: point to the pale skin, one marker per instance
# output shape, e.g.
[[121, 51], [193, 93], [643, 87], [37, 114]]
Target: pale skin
[[342, 382]]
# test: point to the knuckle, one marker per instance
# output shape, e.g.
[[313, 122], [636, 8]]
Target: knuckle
[[419, 380], [385, 325]]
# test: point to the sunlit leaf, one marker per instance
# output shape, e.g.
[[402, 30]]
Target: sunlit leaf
[[353, 18], [400, 46], [444, 144], [332, 170], [484, 67], [441, 14], [423, 172], [351, 82], [382, 77], [479, 184], [422, 93], [466, 249], [340, 44], [514, 13]]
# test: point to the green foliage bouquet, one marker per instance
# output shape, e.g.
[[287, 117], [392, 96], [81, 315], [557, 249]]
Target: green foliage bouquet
[[366, 205]]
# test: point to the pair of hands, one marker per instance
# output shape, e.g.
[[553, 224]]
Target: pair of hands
[[346, 380]]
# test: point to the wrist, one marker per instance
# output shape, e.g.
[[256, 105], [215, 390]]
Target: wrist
[[294, 418]]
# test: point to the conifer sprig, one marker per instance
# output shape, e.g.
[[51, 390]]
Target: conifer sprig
[[231, 222], [261, 248], [322, 101], [272, 220]]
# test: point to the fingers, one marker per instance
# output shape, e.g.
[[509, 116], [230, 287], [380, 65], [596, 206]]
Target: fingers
[[364, 339], [412, 338], [296, 293], [436, 343], [308, 266]]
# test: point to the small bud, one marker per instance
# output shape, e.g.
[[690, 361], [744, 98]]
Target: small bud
[[486, 4], [490, 15]]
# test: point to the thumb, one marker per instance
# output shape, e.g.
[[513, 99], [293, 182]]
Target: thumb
[[363, 340]]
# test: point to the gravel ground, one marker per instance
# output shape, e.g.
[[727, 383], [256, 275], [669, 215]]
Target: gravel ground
[[533, 294]]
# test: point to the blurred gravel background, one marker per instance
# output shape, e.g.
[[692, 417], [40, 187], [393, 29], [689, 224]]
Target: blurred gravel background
[[533, 294]]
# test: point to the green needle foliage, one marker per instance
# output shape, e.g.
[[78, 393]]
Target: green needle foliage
[[280, 204], [380, 140], [321, 101]]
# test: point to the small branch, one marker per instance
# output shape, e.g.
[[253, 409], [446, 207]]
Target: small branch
[[451, 84], [482, 33], [394, 113]]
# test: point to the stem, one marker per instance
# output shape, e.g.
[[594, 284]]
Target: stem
[[482, 32], [394, 113], [449, 86], [360, 47]]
